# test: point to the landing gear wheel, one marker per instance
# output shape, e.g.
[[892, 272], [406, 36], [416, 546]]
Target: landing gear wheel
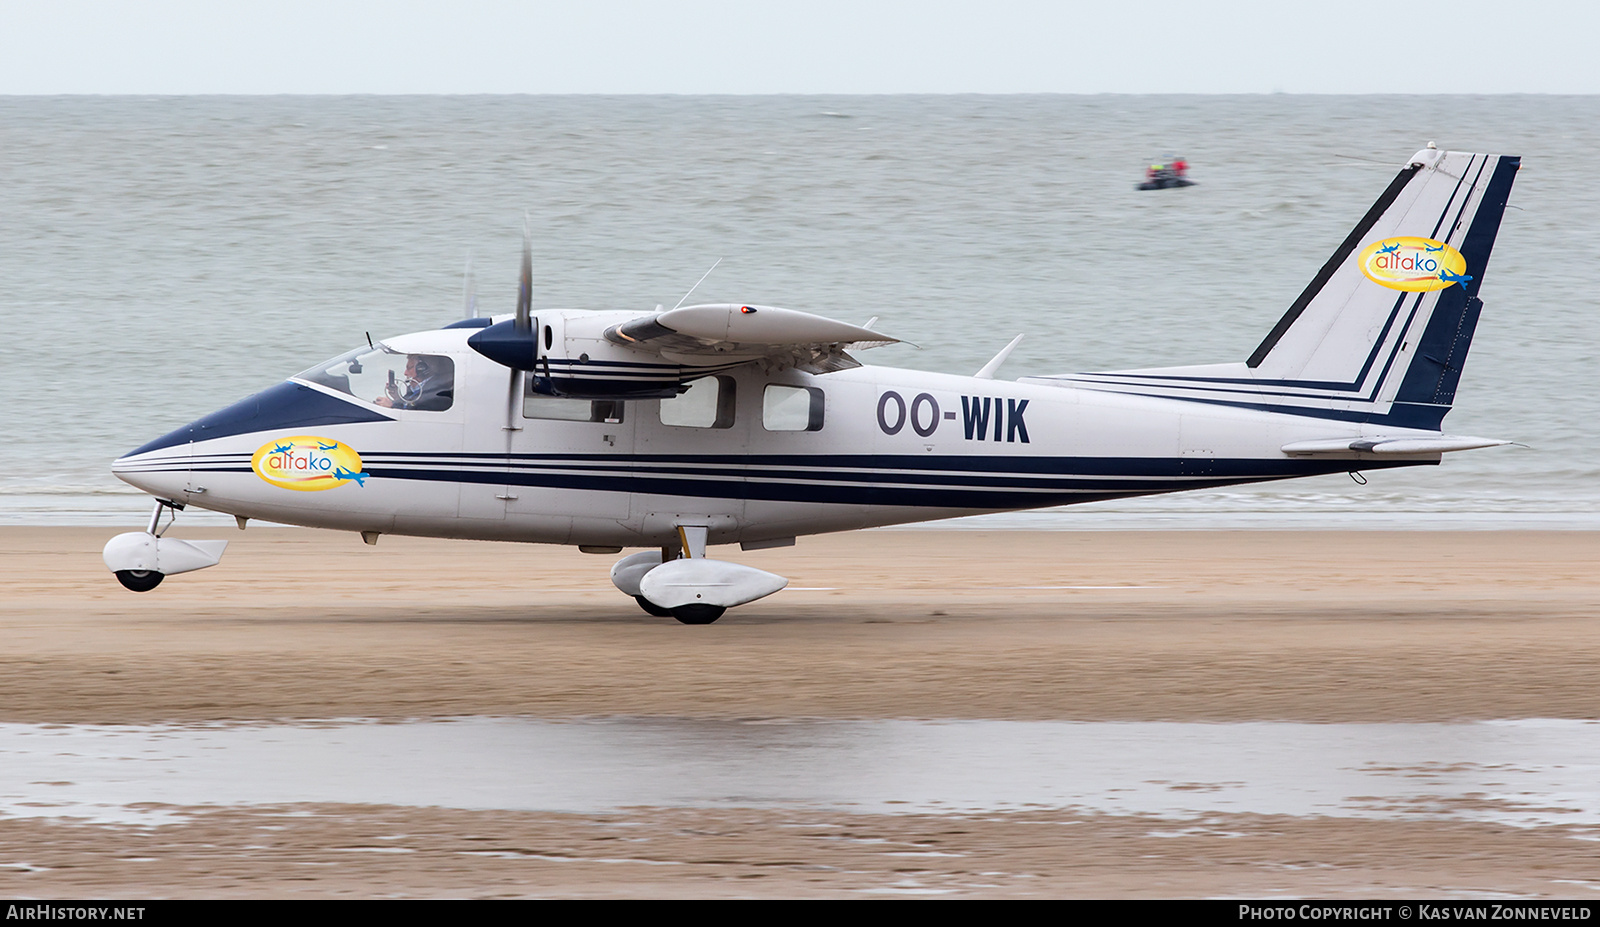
[[698, 614], [145, 580], [652, 607]]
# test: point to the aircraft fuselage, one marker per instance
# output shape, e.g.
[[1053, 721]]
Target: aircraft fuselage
[[872, 446]]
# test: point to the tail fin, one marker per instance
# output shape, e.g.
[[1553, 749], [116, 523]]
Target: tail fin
[[1338, 326], [1382, 331]]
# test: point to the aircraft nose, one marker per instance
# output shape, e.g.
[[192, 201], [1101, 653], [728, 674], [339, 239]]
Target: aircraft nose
[[161, 472], [163, 467]]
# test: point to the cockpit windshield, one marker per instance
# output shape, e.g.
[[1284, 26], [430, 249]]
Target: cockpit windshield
[[385, 377]]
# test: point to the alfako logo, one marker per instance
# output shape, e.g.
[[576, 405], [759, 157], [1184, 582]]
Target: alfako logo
[[308, 463], [1416, 265]]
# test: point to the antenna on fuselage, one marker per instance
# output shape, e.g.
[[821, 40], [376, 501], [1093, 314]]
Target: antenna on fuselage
[[698, 282]]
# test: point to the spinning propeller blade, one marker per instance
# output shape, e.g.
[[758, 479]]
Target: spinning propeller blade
[[469, 291], [513, 342], [525, 288]]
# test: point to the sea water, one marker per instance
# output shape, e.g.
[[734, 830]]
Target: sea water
[[163, 256], [1526, 773]]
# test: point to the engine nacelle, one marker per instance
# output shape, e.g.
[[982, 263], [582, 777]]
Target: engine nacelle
[[601, 370]]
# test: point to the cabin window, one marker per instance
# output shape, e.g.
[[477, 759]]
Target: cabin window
[[792, 408], [553, 408], [386, 377], [707, 403]]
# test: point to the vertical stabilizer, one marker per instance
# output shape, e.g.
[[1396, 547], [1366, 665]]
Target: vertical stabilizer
[[1406, 279], [1381, 332]]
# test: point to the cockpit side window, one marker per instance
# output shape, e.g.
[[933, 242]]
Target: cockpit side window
[[388, 378]]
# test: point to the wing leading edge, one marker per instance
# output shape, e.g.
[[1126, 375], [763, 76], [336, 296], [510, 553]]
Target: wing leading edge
[[722, 332]]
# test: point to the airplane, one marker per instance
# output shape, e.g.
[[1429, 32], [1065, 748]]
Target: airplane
[[1449, 277], [678, 429], [343, 474], [1390, 248]]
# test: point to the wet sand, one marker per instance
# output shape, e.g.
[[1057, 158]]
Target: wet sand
[[365, 851], [1301, 626]]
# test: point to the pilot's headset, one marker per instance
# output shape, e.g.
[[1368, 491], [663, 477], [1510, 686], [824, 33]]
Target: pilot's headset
[[413, 388]]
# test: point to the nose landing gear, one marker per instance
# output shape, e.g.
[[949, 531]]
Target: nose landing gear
[[140, 580], [142, 559]]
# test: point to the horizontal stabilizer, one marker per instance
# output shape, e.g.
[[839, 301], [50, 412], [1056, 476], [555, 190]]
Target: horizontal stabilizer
[[1433, 444]]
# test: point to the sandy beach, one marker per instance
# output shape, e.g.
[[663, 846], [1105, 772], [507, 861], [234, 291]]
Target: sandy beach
[[1091, 626]]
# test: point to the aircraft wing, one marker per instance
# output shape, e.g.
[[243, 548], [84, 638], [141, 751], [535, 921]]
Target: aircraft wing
[[1428, 444], [723, 332]]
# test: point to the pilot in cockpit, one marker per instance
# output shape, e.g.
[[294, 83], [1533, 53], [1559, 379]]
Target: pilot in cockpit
[[428, 385]]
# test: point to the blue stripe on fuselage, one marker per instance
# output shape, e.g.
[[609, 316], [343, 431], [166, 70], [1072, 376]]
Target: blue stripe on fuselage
[[979, 482], [277, 408]]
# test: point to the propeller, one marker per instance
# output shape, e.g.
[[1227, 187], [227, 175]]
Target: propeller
[[514, 343], [523, 337], [525, 286], [469, 291]]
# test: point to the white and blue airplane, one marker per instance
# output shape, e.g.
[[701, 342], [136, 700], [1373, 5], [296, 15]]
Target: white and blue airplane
[[675, 430]]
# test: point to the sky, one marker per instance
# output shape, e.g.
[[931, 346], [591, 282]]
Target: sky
[[795, 46]]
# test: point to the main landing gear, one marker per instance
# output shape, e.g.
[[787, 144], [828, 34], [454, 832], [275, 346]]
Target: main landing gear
[[682, 583], [688, 614], [142, 559]]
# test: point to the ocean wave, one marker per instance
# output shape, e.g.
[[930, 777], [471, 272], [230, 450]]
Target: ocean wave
[[58, 490]]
